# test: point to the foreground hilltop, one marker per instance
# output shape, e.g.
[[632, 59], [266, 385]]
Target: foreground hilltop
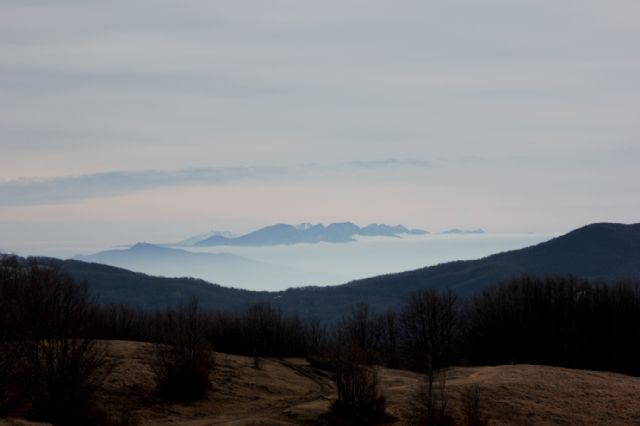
[[291, 392]]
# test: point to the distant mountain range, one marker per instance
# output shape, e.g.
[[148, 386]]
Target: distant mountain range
[[197, 238], [226, 268], [145, 252], [281, 234], [602, 251]]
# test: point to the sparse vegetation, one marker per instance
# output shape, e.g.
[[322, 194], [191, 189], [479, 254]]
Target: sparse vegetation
[[359, 397], [471, 408], [185, 360], [430, 403]]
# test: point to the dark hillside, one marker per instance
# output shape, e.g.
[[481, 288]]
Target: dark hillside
[[602, 251], [116, 285]]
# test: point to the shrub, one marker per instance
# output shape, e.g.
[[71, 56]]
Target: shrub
[[429, 404], [471, 408], [358, 396], [182, 365]]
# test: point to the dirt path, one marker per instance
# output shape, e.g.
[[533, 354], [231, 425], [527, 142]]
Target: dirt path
[[276, 408]]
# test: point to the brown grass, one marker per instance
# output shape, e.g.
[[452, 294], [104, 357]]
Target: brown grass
[[531, 395], [286, 392], [280, 392]]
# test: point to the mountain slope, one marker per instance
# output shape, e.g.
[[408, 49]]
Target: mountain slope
[[197, 238], [599, 251], [110, 284], [224, 268], [145, 252]]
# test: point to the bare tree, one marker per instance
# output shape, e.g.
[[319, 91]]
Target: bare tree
[[183, 364], [359, 398], [471, 409], [8, 346], [61, 365], [264, 327], [428, 327], [388, 330], [429, 404], [359, 330]]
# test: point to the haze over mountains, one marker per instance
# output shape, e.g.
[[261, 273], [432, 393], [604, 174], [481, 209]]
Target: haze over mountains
[[599, 251], [342, 232], [197, 238], [464, 231], [280, 256], [226, 268]]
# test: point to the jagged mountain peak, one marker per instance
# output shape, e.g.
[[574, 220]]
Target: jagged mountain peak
[[283, 234]]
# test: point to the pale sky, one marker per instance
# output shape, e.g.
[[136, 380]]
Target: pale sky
[[158, 119]]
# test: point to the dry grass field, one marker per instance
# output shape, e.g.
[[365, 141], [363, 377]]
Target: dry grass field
[[290, 391]]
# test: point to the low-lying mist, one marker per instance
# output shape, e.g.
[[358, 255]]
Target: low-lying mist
[[284, 266]]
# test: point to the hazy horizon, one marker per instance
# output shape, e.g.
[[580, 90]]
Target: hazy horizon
[[68, 239], [279, 267]]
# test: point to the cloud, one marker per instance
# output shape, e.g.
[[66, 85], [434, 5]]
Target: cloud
[[70, 188], [61, 189], [344, 99], [390, 162]]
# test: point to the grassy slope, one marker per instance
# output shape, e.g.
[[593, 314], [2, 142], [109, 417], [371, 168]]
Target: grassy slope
[[290, 392]]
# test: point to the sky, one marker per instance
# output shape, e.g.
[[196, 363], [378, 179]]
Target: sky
[[154, 120]]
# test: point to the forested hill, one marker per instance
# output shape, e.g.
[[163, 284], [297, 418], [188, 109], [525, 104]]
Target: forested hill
[[599, 251]]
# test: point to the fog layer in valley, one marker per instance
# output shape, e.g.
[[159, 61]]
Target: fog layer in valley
[[281, 267]]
